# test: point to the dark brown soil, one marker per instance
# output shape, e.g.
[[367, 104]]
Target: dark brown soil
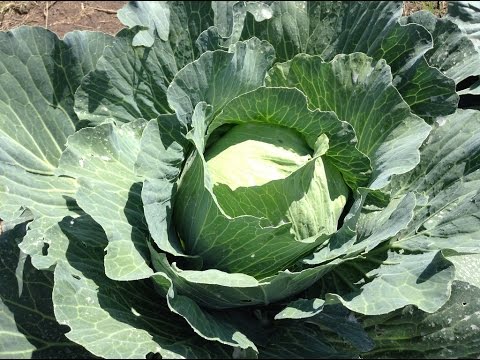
[[62, 16], [439, 8]]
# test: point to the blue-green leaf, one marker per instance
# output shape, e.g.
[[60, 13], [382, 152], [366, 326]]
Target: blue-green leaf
[[102, 160]]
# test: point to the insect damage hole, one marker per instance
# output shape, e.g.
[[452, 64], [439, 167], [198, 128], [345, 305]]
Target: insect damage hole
[[45, 249]]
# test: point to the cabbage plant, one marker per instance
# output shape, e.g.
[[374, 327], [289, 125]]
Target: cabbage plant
[[242, 179]]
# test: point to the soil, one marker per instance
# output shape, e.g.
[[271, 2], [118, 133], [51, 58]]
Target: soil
[[62, 16], [439, 8]]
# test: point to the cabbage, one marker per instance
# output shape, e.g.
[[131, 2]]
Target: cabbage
[[242, 179]]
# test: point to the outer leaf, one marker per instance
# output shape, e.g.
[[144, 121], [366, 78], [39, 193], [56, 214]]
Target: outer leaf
[[331, 28], [187, 20], [344, 239], [13, 341], [388, 133], [466, 267], [304, 346], [40, 74], [45, 242], [427, 91], [423, 280], [287, 28], [87, 47], [152, 16], [102, 160], [362, 233], [219, 76], [210, 324], [176, 22], [453, 53], [448, 179], [301, 340], [128, 83], [355, 241], [117, 319], [220, 290], [44, 195], [447, 222], [229, 21], [301, 308], [162, 152], [343, 323], [29, 328], [451, 332], [38, 78], [467, 15]]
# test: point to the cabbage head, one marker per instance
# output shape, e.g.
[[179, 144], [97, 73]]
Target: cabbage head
[[243, 180]]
